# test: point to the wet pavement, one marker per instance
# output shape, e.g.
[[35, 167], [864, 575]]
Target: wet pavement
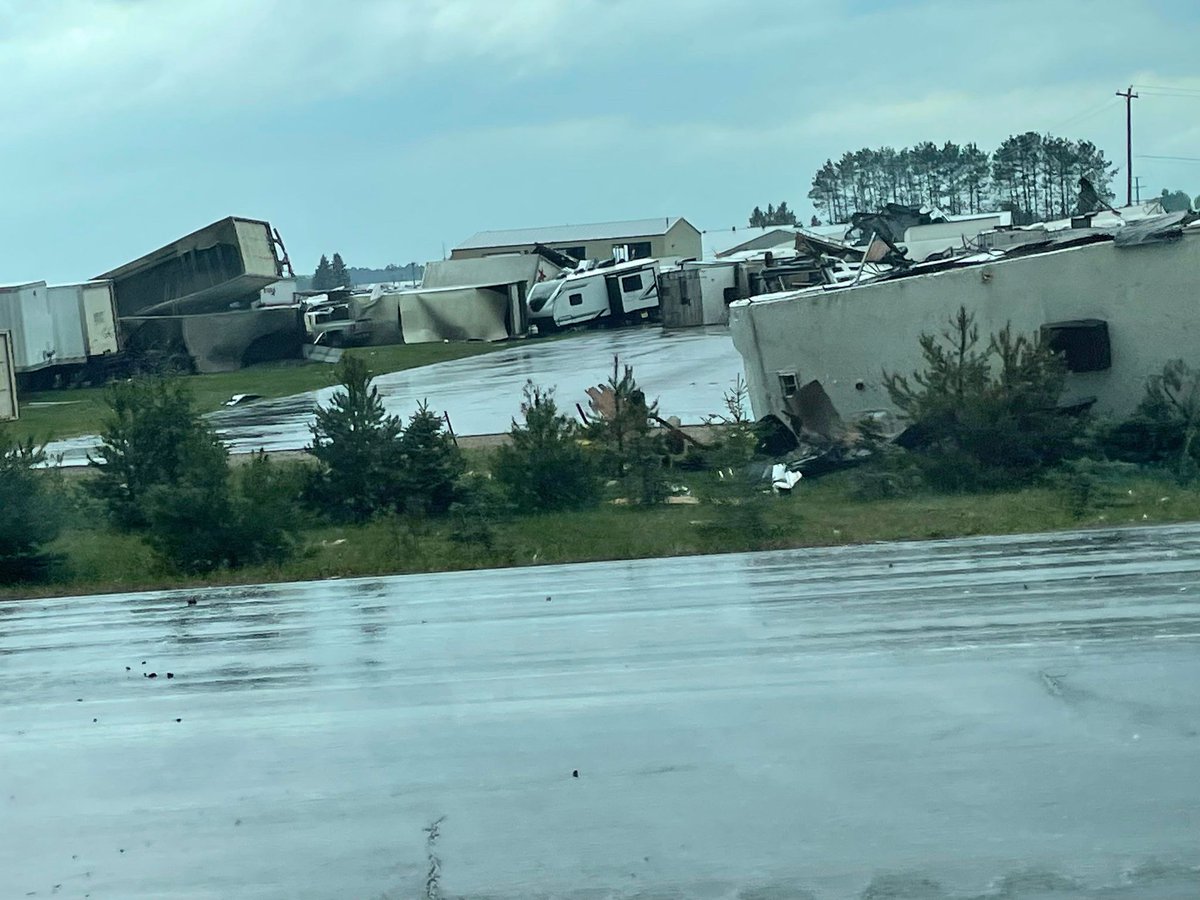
[[688, 370], [1012, 718]]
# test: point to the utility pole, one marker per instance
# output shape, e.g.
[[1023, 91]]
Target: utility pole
[[1129, 96]]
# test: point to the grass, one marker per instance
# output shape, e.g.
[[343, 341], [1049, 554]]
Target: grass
[[821, 513], [77, 411]]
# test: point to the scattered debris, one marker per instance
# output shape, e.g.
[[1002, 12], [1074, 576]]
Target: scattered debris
[[238, 400]]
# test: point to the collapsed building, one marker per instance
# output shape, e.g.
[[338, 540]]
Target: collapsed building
[[1114, 292]]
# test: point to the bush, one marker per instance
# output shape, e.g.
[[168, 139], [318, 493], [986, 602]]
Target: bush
[[544, 468], [984, 419], [1163, 429], [369, 463], [29, 518], [152, 438], [231, 520], [1087, 484]]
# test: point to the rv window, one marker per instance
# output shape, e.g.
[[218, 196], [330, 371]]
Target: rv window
[[575, 299], [788, 383], [631, 283]]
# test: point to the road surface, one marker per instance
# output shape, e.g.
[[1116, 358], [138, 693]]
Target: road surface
[[688, 370], [1013, 718]]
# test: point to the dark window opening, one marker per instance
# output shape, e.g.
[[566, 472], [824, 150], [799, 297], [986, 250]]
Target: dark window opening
[[631, 283], [788, 383], [1083, 343], [575, 299], [635, 250], [577, 252]]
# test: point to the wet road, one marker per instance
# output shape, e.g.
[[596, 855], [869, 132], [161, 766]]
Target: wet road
[[689, 370], [1012, 718]]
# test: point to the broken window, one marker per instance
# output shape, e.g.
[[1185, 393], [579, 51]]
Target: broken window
[[575, 252], [575, 299], [1083, 343], [631, 283], [788, 383]]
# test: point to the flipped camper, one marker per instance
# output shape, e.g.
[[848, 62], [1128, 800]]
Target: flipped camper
[[621, 291]]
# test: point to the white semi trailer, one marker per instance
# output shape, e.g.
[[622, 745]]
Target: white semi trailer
[[60, 329]]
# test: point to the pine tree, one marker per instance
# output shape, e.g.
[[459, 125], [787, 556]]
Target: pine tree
[[322, 279], [153, 437], [357, 446], [28, 517], [430, 464], [339, 274], [544, 468]]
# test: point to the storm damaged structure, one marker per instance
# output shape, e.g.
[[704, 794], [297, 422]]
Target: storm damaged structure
[[1117, 300], [200, 296]]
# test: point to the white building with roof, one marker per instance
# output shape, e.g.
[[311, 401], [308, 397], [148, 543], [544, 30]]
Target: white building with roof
[[668, 237]]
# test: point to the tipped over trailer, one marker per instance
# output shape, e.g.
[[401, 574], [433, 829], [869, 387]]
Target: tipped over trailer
[[616, 292]]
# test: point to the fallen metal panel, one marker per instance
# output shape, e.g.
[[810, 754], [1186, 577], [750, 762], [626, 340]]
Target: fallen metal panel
[[453, 314]]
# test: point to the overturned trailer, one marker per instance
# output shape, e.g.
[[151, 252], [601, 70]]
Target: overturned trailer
[[201, 295], [611, 292], [1119, 303]]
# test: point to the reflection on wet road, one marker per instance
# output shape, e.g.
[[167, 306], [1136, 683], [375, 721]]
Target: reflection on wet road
[[688, 370], [1013, 718]]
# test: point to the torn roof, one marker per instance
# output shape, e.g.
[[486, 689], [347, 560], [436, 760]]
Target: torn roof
[[1148, 229], [560, 234]]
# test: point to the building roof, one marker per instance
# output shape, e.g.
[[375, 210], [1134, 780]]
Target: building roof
[[559, 234]]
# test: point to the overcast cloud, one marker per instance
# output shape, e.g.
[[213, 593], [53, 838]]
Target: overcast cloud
[[386, 130]]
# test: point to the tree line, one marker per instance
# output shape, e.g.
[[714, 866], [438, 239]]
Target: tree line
[[1035, 176]]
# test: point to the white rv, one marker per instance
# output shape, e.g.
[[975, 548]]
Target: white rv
[[616, 291]]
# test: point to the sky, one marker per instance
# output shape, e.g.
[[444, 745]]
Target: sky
[[391, 130]]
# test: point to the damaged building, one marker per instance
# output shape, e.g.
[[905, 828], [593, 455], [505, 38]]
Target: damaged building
[[1114, 293], [664, 238], [201, 296]]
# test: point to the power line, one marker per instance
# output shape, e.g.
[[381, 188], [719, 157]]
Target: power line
[[1086, 114], [1173, 158], [1164, 89]]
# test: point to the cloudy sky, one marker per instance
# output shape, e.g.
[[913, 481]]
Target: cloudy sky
[[387, 129]]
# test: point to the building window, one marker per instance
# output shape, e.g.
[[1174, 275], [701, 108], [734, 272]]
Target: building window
[[1083, 343], [579, 253], [631, 283], [635, 250], [788, 384], [575, 299]]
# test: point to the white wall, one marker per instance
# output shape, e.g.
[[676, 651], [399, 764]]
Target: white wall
[[1149, 295]]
